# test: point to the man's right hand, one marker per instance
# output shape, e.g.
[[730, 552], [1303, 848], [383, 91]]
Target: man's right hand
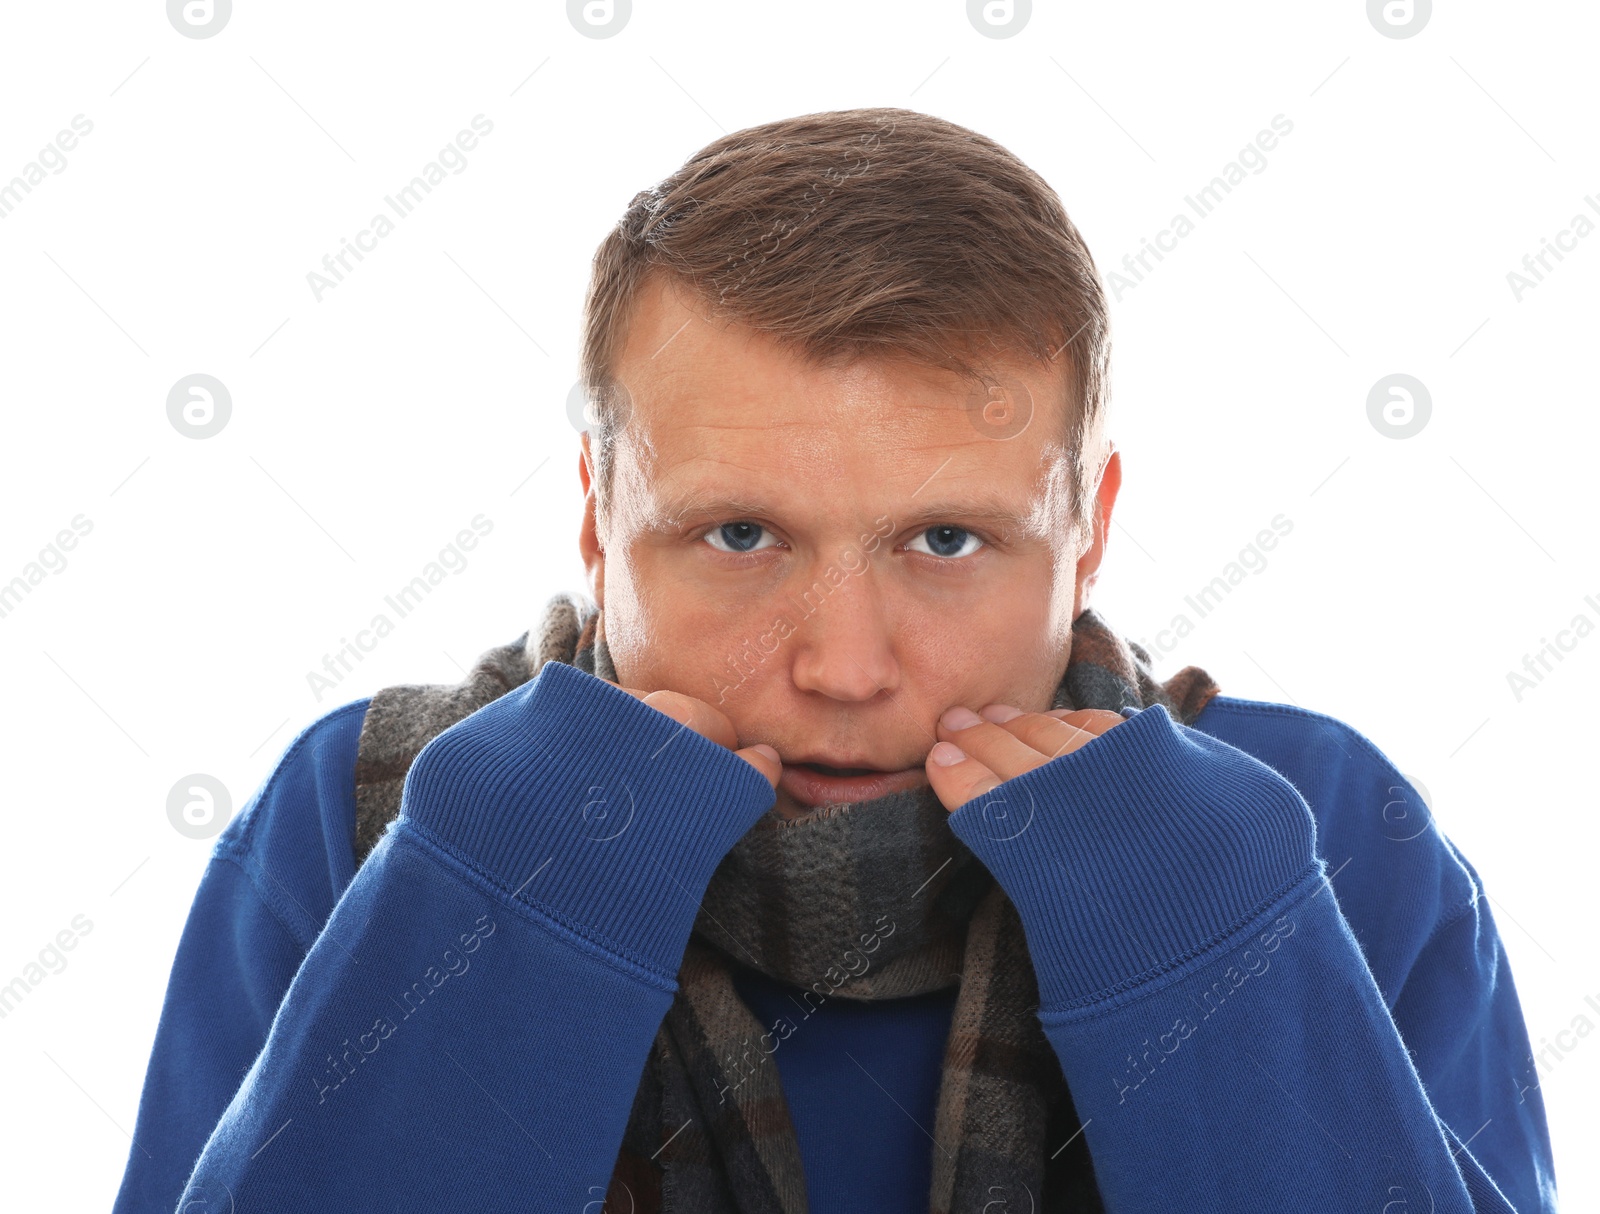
[[710, 723]]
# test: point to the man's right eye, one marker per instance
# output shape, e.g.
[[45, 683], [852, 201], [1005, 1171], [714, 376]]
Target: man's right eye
[[738, 537]]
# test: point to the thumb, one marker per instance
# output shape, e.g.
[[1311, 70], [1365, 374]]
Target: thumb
[[765, 760]]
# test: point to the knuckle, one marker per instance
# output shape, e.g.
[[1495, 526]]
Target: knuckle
[[675, 704]]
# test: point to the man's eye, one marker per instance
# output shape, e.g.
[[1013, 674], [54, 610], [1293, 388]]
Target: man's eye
[[737, 537], [948, 541]]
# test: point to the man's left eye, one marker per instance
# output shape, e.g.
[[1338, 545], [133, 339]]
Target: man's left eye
[[948, 542]]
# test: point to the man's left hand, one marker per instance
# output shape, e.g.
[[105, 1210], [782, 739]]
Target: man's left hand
[[977, 751]]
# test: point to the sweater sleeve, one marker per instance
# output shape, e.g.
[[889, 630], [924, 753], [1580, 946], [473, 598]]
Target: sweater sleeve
[[271, 882], [234, 962], [470, 1025], [1226, 1045]]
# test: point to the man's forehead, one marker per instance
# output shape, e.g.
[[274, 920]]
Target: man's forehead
[[776, 389], [869, 409], [678, 348]]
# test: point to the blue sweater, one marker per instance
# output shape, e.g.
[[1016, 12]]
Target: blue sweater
[[1259, 900]]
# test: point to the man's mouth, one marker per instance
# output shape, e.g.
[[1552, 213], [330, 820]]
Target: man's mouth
[[815, 783], [838, 771]]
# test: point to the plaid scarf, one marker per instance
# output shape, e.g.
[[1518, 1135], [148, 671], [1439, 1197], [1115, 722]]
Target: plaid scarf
[[873, 900]]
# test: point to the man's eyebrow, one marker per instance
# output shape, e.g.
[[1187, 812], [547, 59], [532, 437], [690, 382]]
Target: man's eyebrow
[[681, 512], [1002, 516]]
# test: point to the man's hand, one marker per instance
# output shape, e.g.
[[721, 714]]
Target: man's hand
[[710, 723], [977, 752]]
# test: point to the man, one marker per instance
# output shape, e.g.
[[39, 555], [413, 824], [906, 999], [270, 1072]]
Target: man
[[836, 855]]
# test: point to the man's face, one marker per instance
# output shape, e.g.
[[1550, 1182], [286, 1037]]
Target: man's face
[[832, 556]]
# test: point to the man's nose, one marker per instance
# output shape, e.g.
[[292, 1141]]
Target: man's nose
[[843, 642]]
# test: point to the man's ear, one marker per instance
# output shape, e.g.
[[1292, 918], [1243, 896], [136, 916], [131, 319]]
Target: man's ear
[[1105, 501], [594, 557], [585, 471]]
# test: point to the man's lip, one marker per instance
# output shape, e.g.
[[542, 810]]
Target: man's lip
[[838, 769], [846, 763], [811, 787]]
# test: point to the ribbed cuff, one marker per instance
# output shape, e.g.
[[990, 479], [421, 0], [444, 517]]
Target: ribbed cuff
[[590, 805], [1135, 851]]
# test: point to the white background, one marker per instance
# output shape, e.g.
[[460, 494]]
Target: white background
[[431, 385]]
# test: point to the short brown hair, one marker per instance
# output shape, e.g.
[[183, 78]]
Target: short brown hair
[[858, 232]]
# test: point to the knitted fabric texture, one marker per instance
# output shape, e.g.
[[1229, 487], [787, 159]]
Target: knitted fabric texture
[[872, 900]]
